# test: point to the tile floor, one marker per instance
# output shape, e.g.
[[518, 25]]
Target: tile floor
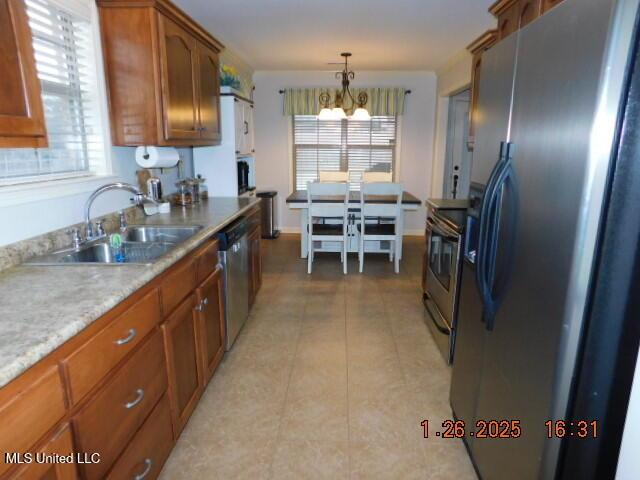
[[330, 378]]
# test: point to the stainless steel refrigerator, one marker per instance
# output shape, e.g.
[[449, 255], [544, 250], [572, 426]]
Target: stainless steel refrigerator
[[549, 98]]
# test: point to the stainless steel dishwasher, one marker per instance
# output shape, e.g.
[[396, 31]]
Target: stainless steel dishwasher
[[234, 254]]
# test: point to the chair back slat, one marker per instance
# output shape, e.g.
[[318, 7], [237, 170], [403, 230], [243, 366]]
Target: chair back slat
[[370, 192], [368, 177], [332, 176], [317, 203]]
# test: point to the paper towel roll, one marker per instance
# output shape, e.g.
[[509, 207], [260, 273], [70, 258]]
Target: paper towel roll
[[157, 157]]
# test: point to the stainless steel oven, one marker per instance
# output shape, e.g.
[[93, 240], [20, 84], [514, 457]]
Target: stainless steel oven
[[442, 274]]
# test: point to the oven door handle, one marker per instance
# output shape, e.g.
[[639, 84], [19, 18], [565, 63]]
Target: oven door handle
[[439, 229], [429, 304]]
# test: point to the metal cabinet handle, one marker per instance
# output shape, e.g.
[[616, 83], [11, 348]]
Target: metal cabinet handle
[[140, 396], [246, 127], [128, 338], [205, 301], [147, 469]]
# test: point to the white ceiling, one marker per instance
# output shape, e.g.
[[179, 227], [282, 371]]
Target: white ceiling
[[306, 34]]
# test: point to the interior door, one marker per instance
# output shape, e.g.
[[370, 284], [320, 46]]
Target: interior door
[[209, 93], [558, 74], [210, 306], [458, 156], [21, 113], [179, 88]]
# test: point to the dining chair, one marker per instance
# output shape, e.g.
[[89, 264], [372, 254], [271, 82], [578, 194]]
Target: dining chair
[[391, 210], [319, 208], [333, 176], [370, 177]]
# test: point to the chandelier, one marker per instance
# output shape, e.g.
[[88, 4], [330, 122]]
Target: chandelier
[[344, 101]]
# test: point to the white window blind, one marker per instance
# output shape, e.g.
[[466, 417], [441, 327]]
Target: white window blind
[[66, 63], [342, 145]]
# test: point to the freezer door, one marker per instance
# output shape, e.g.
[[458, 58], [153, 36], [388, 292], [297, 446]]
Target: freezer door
[[494, 107], [469, 350], [556, 87]]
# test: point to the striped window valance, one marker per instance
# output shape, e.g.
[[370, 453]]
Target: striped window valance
[[382, 101]]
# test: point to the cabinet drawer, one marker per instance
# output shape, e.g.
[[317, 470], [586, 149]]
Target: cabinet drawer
[[206, 261], [60, 443], [30, 414], [177, 285], [113, 416], [150, 447], [91, 362]]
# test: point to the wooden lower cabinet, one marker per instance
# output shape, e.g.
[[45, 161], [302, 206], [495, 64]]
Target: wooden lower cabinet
[[210, 307], [60, 443], [109, 421], [149, 449], [255, 264], [125, 387], [183, 363]]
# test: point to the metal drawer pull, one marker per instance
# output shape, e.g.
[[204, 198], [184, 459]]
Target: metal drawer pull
[[147, 469], [128, 338], [140, 394], [205, 301]]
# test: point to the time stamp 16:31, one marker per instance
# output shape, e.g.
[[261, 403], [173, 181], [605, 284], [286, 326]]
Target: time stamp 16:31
[[511, 429]]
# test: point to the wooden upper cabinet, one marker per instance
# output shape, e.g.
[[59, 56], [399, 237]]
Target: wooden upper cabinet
[[480, 45], [22, 121], [549, 4], [508, 14], [162, 75], [528, 11], [179, 88], [209, 92]]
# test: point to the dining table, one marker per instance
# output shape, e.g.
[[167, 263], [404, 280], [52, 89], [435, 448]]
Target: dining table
[[298, 201]]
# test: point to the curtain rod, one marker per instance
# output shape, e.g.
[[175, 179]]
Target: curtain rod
[[406, 92]]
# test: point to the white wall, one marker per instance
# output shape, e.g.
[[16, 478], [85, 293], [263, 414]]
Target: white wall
[[27, 220], [453, 77], [272, 133]]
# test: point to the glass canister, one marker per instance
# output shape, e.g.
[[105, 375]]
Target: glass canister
[[195, 189], [184, 194]]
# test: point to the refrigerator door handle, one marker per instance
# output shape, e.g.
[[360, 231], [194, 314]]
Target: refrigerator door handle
[[486, 209], [496, 283]]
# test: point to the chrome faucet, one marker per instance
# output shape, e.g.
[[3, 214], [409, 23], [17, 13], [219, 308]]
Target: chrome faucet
[[139, 199]]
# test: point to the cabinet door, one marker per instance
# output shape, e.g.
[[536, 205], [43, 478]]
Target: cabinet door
[[475, 91], [248, 128], [508, 21], [178, 57], [61, 443], [528, 11], [211, 323], [549, 4], [208, 93], [183, 366], [21, 113], [238, 115]]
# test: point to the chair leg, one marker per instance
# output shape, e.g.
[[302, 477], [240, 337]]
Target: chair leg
[[309, 256], [344, 256], [391, 247], [361, 253], [398, 246]]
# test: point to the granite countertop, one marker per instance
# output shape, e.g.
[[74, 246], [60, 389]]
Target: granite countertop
[[42, 307]]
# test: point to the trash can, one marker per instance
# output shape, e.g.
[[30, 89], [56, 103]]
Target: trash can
[[268, 205]]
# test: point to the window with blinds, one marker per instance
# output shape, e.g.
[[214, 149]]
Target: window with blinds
[[65, 60], [342, 145]]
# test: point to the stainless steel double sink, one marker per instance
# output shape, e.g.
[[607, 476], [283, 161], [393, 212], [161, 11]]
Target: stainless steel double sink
[[141, 244]]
